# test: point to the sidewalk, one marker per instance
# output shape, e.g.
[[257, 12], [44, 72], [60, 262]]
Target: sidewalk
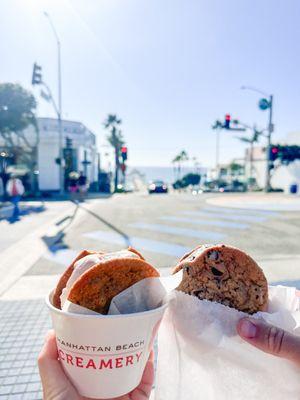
[[24, 318], [258, 201]]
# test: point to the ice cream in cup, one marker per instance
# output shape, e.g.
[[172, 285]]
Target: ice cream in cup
[[103, 355]]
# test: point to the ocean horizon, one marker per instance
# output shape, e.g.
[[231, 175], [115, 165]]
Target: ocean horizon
[[166, 174]]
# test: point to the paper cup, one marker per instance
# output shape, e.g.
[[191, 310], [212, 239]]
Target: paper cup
[[104, 355]]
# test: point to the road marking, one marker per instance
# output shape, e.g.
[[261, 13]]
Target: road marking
[[234, 217], [217, 223], [154, 246], [174, 230], [272, 204], [240, 211]]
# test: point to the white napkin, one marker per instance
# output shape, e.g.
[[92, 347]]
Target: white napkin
[[201, 356]]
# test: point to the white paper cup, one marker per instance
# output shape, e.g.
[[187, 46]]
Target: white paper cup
[[104, 355]]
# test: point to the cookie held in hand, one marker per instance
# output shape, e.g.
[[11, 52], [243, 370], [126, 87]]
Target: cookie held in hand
[[100, 284], [226, 275], [66, 275]]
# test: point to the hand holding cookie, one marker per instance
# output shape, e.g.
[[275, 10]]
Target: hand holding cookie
[[270, 339]]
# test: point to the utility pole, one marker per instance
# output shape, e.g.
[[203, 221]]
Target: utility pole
[[217, 152], [264, 104], [269, 144], [218, 126], [59, 113]]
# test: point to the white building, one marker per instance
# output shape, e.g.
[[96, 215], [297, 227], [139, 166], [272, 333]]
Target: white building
[[80, 156], [84, 152]]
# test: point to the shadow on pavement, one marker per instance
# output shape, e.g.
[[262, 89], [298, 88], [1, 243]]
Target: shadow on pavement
[[108, 224], [8, 212], [56, 241]]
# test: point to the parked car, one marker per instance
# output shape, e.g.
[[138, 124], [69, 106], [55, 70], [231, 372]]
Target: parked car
[[232, 188], [157, 187], [200, 189]]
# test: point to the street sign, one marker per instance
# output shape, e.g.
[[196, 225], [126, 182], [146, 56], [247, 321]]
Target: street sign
[[237, 129], [45, 96], [263, 104]]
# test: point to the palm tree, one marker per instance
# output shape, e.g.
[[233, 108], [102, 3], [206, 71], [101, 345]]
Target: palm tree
[[115, 138], [251, 140], [179, 159]]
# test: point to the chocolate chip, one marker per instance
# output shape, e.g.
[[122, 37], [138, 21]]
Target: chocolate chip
[[216, 272], [213, 255], [198, 293], [186, 269]]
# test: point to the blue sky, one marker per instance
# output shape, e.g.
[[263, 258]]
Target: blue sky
[[168, 68]]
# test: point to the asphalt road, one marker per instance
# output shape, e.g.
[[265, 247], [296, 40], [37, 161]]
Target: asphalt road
[[164, 227]]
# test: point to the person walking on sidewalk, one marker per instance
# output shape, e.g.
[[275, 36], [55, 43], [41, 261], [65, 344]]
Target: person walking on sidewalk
[[15, 190], [82, 185], [1, 190], [73, 184]]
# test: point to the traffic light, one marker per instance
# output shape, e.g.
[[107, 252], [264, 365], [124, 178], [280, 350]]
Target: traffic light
[[69, 143], [274, 153], [36, 74], [285, 153], [124, 153], [227, 121]]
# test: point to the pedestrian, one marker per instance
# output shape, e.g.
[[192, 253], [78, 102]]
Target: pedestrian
[[15, 190], [1, 189], [73, 184], [82, 186]]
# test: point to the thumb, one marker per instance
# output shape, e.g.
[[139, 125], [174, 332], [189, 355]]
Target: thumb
[[270, 339]]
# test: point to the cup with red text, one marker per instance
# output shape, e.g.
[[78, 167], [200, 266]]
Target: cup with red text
[[104, 356]]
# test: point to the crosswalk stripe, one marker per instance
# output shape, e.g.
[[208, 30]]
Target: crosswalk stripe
[[217, 223], [154, 246], [174, 230], [234, 217], [242, 211]]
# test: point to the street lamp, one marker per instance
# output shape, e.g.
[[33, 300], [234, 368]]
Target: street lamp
[[59, 111], [265, 104]]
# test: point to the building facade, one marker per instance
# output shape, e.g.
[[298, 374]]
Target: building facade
[[79, 149]]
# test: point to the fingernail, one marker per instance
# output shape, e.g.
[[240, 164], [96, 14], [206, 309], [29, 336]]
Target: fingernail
[[247, 329]]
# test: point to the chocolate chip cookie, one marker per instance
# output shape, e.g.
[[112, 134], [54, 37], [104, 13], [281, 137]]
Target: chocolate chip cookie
[[66, 275], [130, 252], [226, 275], [100, 284]]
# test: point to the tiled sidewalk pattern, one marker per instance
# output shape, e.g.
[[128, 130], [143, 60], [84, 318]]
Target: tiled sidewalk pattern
[[23, 325]]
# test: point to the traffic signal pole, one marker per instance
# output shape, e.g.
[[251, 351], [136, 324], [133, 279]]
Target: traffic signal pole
[[218, 126], [217, 152], [269, 145], [265, 104], [59, 113]]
